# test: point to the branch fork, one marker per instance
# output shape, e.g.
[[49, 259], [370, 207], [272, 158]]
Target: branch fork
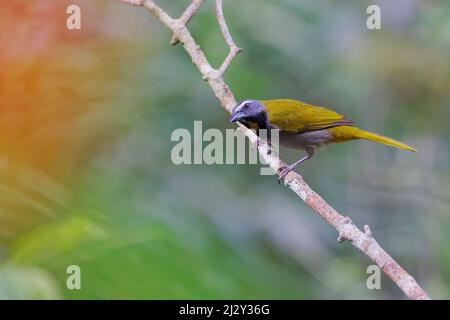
[[347, 230], [191, 11], [187, 15]]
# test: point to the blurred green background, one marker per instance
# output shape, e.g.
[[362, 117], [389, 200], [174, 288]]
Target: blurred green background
[[86, 177]]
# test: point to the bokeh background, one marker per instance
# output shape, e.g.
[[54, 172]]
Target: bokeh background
[[86, 177]]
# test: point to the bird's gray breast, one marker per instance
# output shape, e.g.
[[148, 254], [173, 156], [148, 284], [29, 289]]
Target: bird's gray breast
[[301, 140]]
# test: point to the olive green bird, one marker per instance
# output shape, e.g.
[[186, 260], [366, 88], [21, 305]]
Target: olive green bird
[[303, 126]]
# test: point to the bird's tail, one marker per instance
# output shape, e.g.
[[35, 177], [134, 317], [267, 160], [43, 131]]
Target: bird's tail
[[356, 133]]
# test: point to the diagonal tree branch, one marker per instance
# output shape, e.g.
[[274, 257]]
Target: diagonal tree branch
[[347, 230]]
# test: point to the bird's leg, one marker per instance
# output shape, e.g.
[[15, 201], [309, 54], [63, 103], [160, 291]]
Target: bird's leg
[[255, 145], [268, 139], [309, 154]]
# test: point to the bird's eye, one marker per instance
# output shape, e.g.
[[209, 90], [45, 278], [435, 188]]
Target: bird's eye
[[246, 106]]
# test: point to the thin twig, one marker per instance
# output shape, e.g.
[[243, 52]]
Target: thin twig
[[346, 229], [234, 49], [187, 15], [133, 2]]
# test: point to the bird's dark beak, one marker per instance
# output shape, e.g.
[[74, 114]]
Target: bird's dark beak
[[236, 116]]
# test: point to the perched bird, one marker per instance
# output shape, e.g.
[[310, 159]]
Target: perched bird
[[303, 126]]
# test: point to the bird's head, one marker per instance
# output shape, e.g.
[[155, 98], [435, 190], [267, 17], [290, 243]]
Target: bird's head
[[248, 111]]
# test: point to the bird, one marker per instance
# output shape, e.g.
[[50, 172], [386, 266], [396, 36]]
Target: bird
[[303, 126]]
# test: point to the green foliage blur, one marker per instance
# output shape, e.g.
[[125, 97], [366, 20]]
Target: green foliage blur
[[89, 180]]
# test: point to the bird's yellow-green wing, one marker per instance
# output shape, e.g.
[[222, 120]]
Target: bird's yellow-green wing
[[296, 116]]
